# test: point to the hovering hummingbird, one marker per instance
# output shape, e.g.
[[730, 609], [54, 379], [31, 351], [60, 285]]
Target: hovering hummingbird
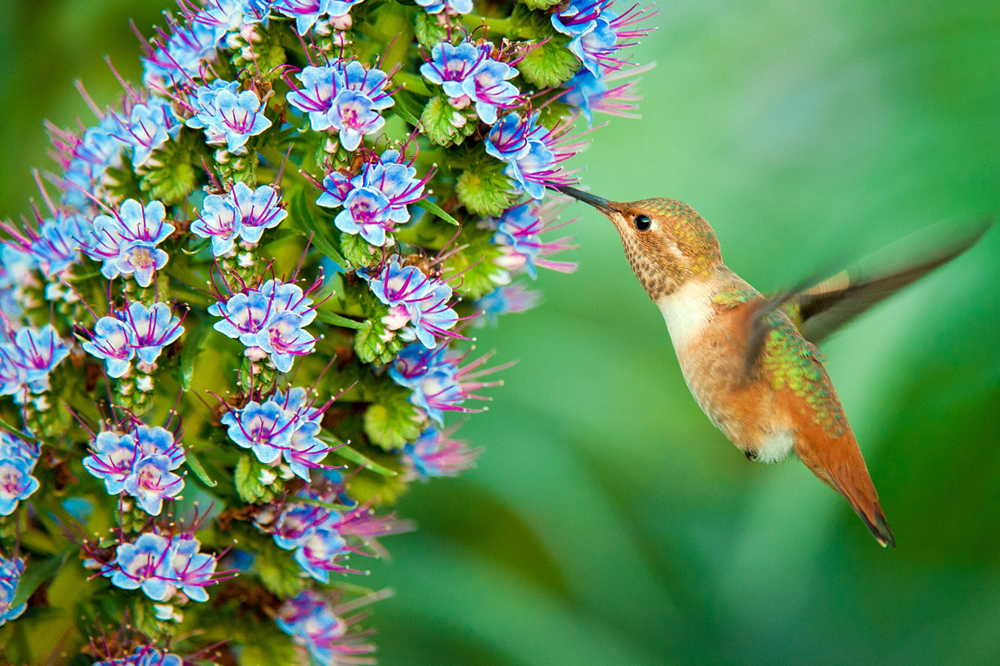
[[750, 361]]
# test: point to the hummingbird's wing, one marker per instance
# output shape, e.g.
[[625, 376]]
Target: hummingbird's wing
[[821, 309]]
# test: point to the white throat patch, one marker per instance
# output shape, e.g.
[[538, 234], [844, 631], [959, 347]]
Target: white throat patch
[[687, 311]]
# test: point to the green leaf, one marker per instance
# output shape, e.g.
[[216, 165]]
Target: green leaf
[[247, 478], [434, 209], [192, 345], [539, 5], [368, 486], [428, 31], [357, 251], [549, 64], [338, 320], [278, 572], [36, 574], [304, 219], [195, 466], [347, 453], [400, 111], [444, 124], [333, 506], [392, 422], [485, 190]]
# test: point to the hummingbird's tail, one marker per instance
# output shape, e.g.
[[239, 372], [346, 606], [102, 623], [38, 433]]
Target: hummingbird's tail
[[838, 463]]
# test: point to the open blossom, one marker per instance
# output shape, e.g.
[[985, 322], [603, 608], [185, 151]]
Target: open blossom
[[229, 117], [307, 12], [17, 462], [126, 241], [54, 248], [310, 621], [438, 383], [598, 32], [139, 463], [28, 358], [145, 655], [505, 300], [467, 73], [180, 57], [415, 300], [145, 128], [518, 234], [242, 213], [10, 574], [435, 454], [589, 92], [345, 97], [268, 321], [375, 200], [135, 331], [533, 153], [163, 567]]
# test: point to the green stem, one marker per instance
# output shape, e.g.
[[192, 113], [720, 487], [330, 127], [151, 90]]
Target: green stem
[[413, 83]]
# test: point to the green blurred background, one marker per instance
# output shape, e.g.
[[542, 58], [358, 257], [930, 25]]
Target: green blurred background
[[608, 521]]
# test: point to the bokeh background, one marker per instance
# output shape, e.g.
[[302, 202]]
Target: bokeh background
[[608, 522]]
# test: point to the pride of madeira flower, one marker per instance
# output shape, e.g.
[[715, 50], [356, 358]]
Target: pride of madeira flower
[[240, 323]]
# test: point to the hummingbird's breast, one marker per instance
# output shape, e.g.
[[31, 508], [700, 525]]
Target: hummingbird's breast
[[711, 341]]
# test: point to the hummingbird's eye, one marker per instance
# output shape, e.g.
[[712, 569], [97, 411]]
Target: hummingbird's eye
[[642, 222]]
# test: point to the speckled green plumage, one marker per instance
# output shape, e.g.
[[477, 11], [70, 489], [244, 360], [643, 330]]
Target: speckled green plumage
[[790, 361]]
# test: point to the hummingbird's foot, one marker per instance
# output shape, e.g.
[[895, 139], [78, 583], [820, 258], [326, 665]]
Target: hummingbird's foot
[[751, 455]]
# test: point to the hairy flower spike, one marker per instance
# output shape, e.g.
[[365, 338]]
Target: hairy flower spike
[[297, 205]]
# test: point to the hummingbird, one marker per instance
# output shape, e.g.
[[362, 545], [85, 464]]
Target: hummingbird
[[750, 360]]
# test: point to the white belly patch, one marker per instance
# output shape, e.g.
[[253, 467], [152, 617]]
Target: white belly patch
[[777, 447]]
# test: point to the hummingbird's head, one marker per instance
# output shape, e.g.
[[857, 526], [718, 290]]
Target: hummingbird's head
[[665, 241]]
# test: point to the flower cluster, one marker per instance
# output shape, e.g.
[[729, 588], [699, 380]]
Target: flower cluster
[[468, 75], [145, 656], [438, 383], [136, 331], [418, 305], [242, 213], [139, 463], [343, 96], [235, 259], [17, 462], [28, 358], [126, 241], [163, 567], [375, 200], [319, 536], [434, 454], [10, 575], [228, 116], [283, 427], [310, 621], [532, 152], [268, 320]]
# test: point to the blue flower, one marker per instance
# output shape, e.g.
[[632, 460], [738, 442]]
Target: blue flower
[[151, 481], [135, 331], [518, 235], [375, 200], [10, 574], [13, 448], [227, 115], [182, 58], [434, 454], [504, 300], [16, 483], [29, 360], [268, 321], [192, 569], [454, 6], [138, 463], [264, 428], [598, 33], [147, 127], [344, 97], [146, 655], [127, 242], [414, 298], [533, 153], [308, 619], [589, 92], [243, 213], [468, 74], [57, 246], [319, 551], [144, 564]]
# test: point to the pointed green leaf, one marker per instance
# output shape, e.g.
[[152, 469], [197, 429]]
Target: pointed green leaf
[[315, 502], [338, 320], [36, 574], [192, 345], [434, 209], [347, 453], [307, 223], [195, 466]]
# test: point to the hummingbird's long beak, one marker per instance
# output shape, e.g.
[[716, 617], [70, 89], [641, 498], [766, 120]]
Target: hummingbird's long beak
[[600, 204]]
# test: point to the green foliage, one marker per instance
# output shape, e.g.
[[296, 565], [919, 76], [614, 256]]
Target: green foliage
[[357, 252], [444, 124], [253, 480], [484, 189], [393, 421], [428, 31], [279, 573], [550, 63], [368, 485], [477, 266]]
